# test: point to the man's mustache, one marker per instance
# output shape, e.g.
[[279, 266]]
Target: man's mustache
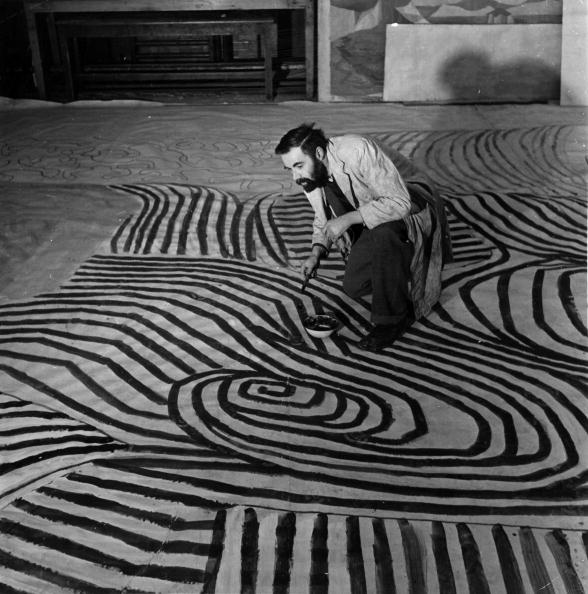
[[304, 180]]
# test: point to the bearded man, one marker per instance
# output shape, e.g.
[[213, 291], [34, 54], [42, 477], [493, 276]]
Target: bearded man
[[390, 228]]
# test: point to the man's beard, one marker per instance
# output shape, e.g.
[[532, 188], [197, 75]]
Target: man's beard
[[319, 179]]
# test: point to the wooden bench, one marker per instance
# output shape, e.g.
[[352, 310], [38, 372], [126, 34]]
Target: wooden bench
[[70, 29], [41, 14]]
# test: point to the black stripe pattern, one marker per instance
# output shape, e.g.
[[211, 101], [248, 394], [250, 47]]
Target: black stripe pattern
[[161, 403], [176, 545], [210, 353]]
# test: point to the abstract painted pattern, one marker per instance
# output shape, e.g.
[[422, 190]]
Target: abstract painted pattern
[[113, 527], [516, 159], [491, 12], [369, 13], [209, 444]]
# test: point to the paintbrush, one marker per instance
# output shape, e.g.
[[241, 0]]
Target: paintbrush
[[305, 282]]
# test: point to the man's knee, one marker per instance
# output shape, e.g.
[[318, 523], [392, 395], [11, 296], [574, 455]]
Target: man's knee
[[354, 288]]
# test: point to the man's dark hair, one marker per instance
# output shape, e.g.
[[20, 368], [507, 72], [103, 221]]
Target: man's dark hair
[[306, 136]]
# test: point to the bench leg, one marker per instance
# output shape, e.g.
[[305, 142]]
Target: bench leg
[[37, 60], [53, 43], [310, 48], [268, 58], [67, 67]]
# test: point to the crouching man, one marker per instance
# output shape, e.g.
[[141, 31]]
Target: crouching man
[[390, 228]]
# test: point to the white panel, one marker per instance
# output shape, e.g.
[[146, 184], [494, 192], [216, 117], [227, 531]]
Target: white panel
[[472, 63]]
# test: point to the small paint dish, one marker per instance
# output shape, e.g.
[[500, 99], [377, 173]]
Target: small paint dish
[[321, 325]]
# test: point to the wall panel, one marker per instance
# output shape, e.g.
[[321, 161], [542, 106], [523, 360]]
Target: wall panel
[[472, 63]]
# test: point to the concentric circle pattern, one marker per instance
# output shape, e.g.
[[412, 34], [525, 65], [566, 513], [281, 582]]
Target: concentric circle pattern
[[309, 425]]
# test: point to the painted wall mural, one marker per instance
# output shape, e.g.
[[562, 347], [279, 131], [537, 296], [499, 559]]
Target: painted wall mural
[[356, 15], [358, 31]]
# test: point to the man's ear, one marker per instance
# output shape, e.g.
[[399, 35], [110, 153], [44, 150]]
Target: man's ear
[[320, 153]]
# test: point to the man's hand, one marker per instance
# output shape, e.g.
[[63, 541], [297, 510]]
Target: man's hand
[[337, 226], [309, 267]]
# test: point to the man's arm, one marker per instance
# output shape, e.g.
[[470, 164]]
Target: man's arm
[[389, 197], [337, 226], [311, 264]]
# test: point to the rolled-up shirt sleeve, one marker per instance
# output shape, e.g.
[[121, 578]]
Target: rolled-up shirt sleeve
[[390, 199]]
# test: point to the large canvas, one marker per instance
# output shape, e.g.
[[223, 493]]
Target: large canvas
[[169, 427]]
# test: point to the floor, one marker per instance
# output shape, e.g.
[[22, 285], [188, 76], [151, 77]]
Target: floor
[[168, 426]]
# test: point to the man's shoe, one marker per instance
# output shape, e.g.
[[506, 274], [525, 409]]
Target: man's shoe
[[383, 335]]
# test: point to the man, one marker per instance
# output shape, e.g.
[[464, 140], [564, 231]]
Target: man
[[391, 230]]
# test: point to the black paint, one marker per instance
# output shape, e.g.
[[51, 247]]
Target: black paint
[[285, 532], [383, 559], [473, 564], [508, 562], [319, 555], [249, 552], [355, 557], [413, 558], [442, 560]]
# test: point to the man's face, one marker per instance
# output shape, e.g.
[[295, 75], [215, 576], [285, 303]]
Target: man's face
[[307, 171]]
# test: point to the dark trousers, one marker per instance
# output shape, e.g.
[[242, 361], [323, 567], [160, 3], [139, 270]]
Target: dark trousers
[[379, 263]]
